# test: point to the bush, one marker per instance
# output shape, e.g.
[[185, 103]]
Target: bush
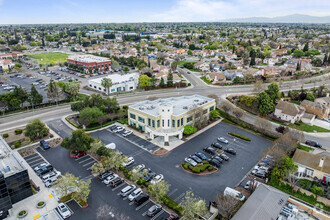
[[72, 123], [188, 129], [206, 162], [5, 135], [210, 168], [239, 136], [123, 121], [17, 144], [196, 169], [172, 204], [51, 135], [189, 84], [18, 131], [102, 151]]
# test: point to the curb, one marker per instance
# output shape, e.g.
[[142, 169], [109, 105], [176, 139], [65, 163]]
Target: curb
[[200, 174]]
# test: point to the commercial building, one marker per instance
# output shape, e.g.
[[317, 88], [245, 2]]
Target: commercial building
[[167, 117], [120, 83], [14, 179], [13, 55], [90, 62]]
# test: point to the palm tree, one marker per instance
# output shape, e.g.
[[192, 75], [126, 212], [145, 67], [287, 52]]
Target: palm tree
[[106, 83]]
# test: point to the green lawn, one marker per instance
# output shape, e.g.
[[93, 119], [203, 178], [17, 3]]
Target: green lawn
[[308, 128], [180, 63], [50, 58], [206, 80], [305, 148]]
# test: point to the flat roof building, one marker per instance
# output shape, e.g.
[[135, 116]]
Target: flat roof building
[[90, 62], [120, 83], [167, 117], [14, 179]]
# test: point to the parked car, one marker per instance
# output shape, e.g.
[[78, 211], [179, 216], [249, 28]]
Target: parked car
[[63, 210], [50, 182], [45, 170], [210, 150], [79, 154], [127, 133], [141, 199], [216, 145], [138, 168], [135, 194], [52, 174], [195, 158], [224, 157], [230, 151], [44, 145], [40, 166], [157, 179], [153, 210], [313, 143], [118, 129], [116, 182], [150, 176], [223, 140], [214, 162], [201, 155], [113, 127], [217, 158], [190, 161], [104, 175], [110, 178], [128, 162], [127, 190], [173, 216]]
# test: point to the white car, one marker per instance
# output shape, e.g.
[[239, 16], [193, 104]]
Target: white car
[[135, 194], [53, 174], [4, 85], [40, 166], [223, 140], [110, 178], [126, 133], [128, 162], [157, 179], [119, 129], [64, 210], [190, 161], [138, 168]]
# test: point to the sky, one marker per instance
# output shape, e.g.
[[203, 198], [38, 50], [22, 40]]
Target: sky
[[121, 11]]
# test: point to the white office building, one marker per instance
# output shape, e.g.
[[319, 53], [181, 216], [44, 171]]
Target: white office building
[[120, 83]]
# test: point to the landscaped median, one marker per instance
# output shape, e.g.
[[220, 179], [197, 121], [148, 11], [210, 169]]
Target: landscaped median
[[200, 169], [239, 136]]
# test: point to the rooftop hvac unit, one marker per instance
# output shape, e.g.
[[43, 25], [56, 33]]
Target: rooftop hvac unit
[[185, 107], [6, 169], [141, 108]]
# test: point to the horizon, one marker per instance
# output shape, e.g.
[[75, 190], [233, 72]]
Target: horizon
[[146, 11]]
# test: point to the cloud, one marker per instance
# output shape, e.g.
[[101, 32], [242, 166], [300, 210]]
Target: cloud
[[216, 10]]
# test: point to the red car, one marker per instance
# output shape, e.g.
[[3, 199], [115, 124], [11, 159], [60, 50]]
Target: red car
[[79, 154], [1, 82], [173, 216]]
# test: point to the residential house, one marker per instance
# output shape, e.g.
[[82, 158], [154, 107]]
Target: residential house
[[203, 66], [216, 76], [255, 72], [232, 74], [316, 108], [313, 164], [5, 64], [324, 100], [308, 118], [288, 112]]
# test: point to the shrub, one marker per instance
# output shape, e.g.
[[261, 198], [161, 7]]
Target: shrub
[[206, 162], [18, 131], [188, 129], [72, 123], [196, 170], [239, 136], [123, 121], [17, 144], [210, 168], [5, 135], [172, 204], [189, 84]]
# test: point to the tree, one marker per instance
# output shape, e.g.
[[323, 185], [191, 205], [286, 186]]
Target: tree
[[79, 141], [107, 212], [36, 129], [298, 53], [225, 106], [126, 69], [170, 79], [263, 125], [53, 91], [274, 92], [265, 103], [34, 97], [310, 97], [174, 65], [214, 114], [92, 115], [226, 205], [20, 94], [253, 57], [258, 86], [188, 129], [66, 184], [161, 83], [189, 52], [192, 207], [280, 129], [159, 190], [98, 168], [296, 135], [153, 81], [275, 153], [72, 88], [306, 47], [238, 112], [286, 143], [144, 81]]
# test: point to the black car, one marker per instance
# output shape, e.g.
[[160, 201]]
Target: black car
[[150, 176], [113, 127], [45, 170], [230, 151], [104, 175], [195, 158], [210, 150], [313, 143], [224, 157], [153, 210], [141, 199], [216, 145], [116, 182], [217, 158], [214, 162]]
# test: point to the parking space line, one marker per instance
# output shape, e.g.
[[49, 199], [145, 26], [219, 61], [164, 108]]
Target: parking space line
[[69, 206], [26, 159], [88, 177], [118, 186], [144, 213], [179, 197], [86, 160], [82, 157], [157, 215], [131, 203], [89, 168], [125, 198], [33, 161], [172, 192], [141, 206], [88, 163]]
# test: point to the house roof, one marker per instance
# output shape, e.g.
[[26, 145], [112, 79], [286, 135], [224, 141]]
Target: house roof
[[314, 105], [264, 204], [311, 160], [326, 99], [308, 116], [289, 108], [220, 75]]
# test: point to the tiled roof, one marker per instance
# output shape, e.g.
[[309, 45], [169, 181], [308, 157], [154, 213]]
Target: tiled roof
[[311, 160], [289, 108]]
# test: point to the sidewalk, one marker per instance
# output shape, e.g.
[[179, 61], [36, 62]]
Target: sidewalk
[[29, 204]]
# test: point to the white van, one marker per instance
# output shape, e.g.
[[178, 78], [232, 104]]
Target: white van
[[234, 193], [111, 146]]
